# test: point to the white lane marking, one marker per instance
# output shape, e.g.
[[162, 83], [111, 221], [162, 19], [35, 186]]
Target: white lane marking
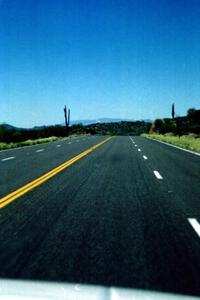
[[132, 140], [157, 174], [69, 143], [145, 157], [186, 150], [8, 158], [139, 150], [39, 150], [58, 146], [135, 145], [195, 224]]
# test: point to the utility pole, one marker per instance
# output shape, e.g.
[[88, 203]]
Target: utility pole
[[67, 119]]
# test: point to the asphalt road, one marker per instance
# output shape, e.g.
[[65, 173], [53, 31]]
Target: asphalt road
[[119, 216]]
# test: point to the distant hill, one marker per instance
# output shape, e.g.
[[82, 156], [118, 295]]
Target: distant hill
[[118, 128], [39, 127], [9, 127]]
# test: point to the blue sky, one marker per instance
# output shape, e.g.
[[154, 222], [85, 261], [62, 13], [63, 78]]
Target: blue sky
[[103, 58]]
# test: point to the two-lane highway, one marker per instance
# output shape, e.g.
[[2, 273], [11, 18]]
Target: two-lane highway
[[117, 216]]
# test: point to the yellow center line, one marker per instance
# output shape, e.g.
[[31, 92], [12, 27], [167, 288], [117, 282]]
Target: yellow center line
[[33, 184]]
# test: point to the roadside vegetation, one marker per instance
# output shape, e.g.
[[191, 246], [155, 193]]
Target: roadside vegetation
[[180, 131], [27, 143], [190, 141]]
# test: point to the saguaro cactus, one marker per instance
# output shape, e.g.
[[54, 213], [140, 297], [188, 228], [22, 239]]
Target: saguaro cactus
[[67, 119], [173, 111]]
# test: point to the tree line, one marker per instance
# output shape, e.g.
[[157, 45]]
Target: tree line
[[178, 125], [12, 134]]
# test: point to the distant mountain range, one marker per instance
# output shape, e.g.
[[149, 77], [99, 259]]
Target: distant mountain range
[[94, 121], [74, 122], [104, 120]]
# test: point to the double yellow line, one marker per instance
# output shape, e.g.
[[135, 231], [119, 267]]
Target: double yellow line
[[33, 184]]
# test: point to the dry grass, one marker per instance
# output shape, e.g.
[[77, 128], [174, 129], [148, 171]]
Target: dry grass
[[28, 143], [190, 141]]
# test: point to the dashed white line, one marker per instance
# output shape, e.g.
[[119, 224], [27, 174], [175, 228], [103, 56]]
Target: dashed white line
[[157, 174], [8, 158], [132, 140], [135, 145], [58, 146], [145, 157], [139, 150], [195, 224], [39, 150], [69, 143]]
